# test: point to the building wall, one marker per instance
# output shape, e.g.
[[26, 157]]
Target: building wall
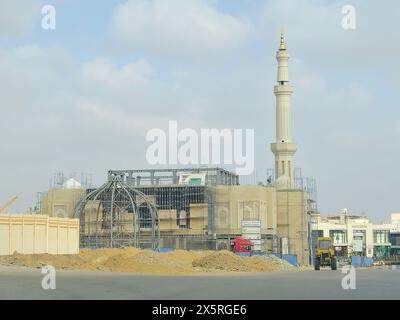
[[292, 222], [395, 221], [60, 202], [35, 234], [235, 203]]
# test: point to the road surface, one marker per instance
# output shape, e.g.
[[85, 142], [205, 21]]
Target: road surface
[[25, 283]]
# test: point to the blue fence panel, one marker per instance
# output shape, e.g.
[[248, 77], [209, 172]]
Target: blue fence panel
[[290, 258], [164, 249], [258, 253], [366, 262], [361, 261], [356, 261], [243, 254]]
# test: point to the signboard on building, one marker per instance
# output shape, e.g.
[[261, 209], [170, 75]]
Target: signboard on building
[[255, 236], [357, 246], [251, 230], [284, 245], [251, 223]]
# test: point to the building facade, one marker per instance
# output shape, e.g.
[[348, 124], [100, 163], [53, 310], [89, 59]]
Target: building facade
[[356, 235]]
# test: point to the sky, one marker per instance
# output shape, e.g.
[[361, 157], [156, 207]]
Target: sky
[[81, 97]]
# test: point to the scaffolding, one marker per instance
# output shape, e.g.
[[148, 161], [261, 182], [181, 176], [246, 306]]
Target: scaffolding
[[59, 178], [117, 215], [187, 212], [306, 184], [213, 176]]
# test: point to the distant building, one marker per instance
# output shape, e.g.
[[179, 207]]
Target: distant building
[[356, 235]]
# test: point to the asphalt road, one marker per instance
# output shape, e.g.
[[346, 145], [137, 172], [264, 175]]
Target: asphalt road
[[24, 283]]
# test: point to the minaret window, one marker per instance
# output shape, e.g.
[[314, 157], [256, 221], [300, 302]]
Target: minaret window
[[283, 167], [290, 168]]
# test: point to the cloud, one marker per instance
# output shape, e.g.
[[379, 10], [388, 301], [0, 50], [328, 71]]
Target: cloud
[[177, 26], [17, 17], [104, 72], [313, 28], [62, 114]]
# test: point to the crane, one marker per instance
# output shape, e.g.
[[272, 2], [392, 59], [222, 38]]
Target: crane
[[9, 203]]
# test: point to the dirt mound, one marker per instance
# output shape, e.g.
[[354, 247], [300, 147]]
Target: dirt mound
[[227, 261], [146, 261]]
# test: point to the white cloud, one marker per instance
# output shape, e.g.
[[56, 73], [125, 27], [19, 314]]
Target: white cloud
[[61, 115], [177, 26], [105, 72], [18, 16], [313, 28]]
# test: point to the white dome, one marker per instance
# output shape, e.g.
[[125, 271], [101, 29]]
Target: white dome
[[72, 184]]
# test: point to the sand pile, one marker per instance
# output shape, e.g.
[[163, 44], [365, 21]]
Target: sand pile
[[146, 261], [227, 261]]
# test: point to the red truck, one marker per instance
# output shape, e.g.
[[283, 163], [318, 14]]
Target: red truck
[[240, 244]]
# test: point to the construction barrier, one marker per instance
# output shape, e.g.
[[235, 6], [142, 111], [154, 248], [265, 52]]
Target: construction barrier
[[361, 261], [292, 259], [164, 249], [244, 254], [35, 234]]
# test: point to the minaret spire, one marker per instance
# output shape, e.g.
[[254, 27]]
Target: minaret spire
[[283, 149], [282, 45]]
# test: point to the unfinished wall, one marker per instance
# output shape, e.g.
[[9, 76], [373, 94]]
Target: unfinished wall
[[293, 222], [235, 203], [34, 234], [60, 202], [168, 220], [199, 217]]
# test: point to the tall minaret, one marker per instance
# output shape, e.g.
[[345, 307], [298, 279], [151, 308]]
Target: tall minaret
[[283, 148]]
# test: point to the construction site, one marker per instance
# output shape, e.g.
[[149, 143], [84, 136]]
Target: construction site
[[193, 209], [192, 213]]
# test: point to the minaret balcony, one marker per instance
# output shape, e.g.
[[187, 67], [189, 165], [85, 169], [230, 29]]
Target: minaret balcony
[[283, 89], [284, 148]]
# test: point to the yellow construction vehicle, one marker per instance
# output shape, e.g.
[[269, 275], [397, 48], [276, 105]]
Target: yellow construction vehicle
[[325, 253], [9, 203]]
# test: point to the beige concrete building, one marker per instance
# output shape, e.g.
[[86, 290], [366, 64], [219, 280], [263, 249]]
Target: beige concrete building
[[293, 222], [61, 202]]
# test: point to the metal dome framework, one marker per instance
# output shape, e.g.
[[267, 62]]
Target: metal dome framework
[[116, 215]]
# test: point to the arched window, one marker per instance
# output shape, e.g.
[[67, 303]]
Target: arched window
[[223, 217]]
